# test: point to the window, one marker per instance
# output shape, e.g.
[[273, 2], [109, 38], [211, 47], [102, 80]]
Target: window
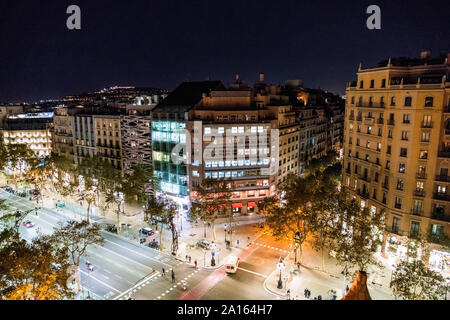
[[420, 186], [400, 184], [415, 227], [423, 154], [403, 152], [388, 164], [429, 101], [408, 101], [390, 133], [425, 136], [372, 83], [383, 83], [395, 225], [426, 121], [406, 118], [405, 135], [389, 150], [361, 84], [398, 202], [393, 101], [401, 168], [207, 130], [353, 100]]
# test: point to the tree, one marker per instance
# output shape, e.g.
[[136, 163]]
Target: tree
[[292, 214], [32, 271], [212, 198], [75, 237], [358, 234], [414, 281], [161, 212]]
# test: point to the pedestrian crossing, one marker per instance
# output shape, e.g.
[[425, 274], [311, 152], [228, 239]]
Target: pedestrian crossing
[[272, 248]]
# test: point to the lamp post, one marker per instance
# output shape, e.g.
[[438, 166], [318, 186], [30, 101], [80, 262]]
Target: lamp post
[[225, 231], [213, 253], [204, 257], [281, 267], [204, 229]]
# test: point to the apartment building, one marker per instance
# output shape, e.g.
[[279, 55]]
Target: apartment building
[[32, 129], [397, 147], [136, 136], [249, 136], [63, 137]]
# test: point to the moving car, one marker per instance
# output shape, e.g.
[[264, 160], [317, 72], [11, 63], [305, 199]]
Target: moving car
[[203, 244], [232, 264], [28, 224]]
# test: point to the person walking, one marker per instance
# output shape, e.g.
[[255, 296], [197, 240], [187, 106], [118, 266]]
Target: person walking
[[305, 293], [173, 276], [163, 271], [195, 262]]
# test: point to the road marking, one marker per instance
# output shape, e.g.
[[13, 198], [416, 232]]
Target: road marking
[[99, 281], [253, 272], [138, 253]]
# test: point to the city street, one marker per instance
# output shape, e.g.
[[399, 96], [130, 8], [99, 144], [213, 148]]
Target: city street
[[124, 269]]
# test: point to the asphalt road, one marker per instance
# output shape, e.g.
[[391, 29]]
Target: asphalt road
[[124, 269]]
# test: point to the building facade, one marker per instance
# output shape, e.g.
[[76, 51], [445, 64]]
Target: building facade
[[396, 147], [32, 129]]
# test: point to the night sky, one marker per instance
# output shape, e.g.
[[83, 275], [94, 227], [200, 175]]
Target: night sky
[[162, 43]]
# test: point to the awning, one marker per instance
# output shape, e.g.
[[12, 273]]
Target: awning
[[251, 204], [237, 205]]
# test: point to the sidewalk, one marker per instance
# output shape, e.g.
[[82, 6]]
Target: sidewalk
[[320, 283], [189, 234]]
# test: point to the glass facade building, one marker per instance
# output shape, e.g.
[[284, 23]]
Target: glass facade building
[[166, 135]]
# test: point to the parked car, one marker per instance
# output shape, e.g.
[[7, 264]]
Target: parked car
[[28, 224], [147, 231], [111, 228], [153, 244], [203, 244]]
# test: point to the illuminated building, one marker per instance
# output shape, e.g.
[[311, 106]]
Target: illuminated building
[[397, 146], [32, 129]]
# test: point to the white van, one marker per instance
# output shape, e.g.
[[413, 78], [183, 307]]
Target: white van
[[232, 264]]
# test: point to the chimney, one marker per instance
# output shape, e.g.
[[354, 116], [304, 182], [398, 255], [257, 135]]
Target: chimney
[[261, 77], [425, 54]]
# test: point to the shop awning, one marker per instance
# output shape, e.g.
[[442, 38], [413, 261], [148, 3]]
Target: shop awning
[[251, 204], [237, 205]]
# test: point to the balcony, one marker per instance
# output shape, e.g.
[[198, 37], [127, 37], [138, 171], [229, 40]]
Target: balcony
[[419, 193], [421, 175], [370, 105], [365, 178], [391, 122], [426, 125], [385, 186], [380, 121], [444, 154], [363, 194], [447, 131], [436, 215], [417, 212], [351, 117], [443, 178], [369, 121], [359, 119], [441, 196]]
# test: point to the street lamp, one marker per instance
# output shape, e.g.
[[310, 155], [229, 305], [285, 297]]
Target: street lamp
[[213, 261], [204, 257], [204, 229], [281, 267], [225, 231]]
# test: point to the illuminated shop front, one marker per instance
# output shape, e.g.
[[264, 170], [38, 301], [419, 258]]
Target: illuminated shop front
[[398, 248], [440, 262]]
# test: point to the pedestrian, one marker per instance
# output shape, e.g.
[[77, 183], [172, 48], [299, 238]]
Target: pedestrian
[[237, 242], [163, 272], [186, 257], [289, 294], [347, 288], [195, 262], [173, 276], [319, 297], [306, 293], [298, 265], [190, 259]]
